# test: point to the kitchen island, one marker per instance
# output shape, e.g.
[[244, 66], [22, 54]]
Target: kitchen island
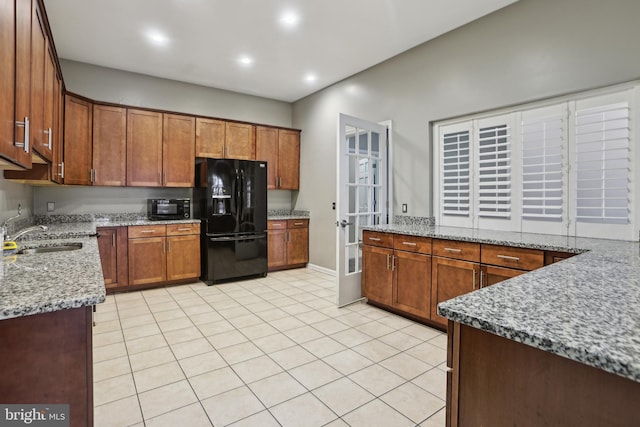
[[559, 345]]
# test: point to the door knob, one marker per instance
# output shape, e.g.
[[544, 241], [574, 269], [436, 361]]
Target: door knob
[[343, 223]]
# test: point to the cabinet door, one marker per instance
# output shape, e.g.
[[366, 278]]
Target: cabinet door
[[183, 257], [240, 141], [178, 150], [144, 148], [58, 124], [147, 260], [267, 151], [23, 78], [298, 246], [412, 283], [210, 136], [39, 140], [490, 275], [377, 275], [109, 145], [77, 141], [7, 78], [288, 159], [108, 255], [49, 120], [451, 278], [277, 244]]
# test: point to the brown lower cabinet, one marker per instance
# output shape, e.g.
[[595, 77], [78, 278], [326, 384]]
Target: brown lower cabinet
[[411, 275], [47, 358], [149, 255], [288, 243], [494, 381]]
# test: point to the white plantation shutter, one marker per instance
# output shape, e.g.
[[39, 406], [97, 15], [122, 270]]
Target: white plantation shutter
[[543, 147], [455, 173], [494, 171], [603, 163]]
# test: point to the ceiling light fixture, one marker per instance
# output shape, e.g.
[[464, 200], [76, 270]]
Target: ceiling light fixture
[[157, 38], [289, 19], [245, 60], [310, 78]]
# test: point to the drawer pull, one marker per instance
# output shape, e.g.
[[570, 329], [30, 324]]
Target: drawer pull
[[453, 250], [298, 223], [147, 231], [375, 239], [509, 258], [184, 229], [409, 243]]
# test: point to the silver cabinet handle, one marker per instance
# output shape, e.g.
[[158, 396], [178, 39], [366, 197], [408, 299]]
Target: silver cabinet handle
[[509, 258], [62, 170], [409, 243], [375, 239], [393, 262], [168, 246], [113, 240], [474, 279], [298, 223], [49, 133], [453, 250], [388, 261], [147, 231], [25, 143], [481, 279], [184, 229]]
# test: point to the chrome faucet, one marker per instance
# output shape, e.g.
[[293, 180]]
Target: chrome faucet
[[27, 231], [6, 221]]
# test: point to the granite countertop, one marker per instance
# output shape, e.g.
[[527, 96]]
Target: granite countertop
[[46, 282], [585, 308], [282, 214]]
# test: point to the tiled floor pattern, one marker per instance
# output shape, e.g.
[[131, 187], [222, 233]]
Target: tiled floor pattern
[[274, 351]]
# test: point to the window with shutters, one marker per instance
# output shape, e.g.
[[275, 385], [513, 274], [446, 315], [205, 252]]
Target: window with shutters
[[564, 167]]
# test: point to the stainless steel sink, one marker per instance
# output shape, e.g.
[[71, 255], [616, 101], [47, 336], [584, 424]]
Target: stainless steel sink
[[47, 249]]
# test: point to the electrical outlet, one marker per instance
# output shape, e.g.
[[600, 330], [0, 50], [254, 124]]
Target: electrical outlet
[[404, 208], [51, 206]]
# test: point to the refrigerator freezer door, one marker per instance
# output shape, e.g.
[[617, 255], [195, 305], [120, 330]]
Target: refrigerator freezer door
[[233, 257]]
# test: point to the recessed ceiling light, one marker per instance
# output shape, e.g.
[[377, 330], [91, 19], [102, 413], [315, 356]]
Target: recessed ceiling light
[[310, 78], [157, 38], [245, 60], [289, 19]]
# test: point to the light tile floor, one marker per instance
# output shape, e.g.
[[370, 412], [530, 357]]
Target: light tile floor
[[274, 351]]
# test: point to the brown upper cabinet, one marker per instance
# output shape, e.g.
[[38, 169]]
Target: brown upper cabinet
[[15, 81], [109, 145], [280, 148], [77, 141], [39, 135], [144, 148], [178, 150], [220, 139], [210, 138], [240, 141]]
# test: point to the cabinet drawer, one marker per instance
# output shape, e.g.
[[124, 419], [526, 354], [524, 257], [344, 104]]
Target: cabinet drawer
[[277, 225], [138, 231], [297, 223], [412, 243], [467, 251], [375, 238], [182, 229], [506, 256]]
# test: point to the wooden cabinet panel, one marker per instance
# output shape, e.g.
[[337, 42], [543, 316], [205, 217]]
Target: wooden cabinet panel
[[182, 229], [375, 238], [277, 246], [210, 137], [144, 148], [109, 145], [267, 151], [39, 140], [7, 78], [112, 245], [412, 283], [49, 104], [377, 277], [468, 251], [451, 278], [298, 246], [288, 159], [551, 257], [147, 260], [240, 141], [23, 77], [178, 150], [412, 243], [77, 141], [140, 231], [506, 256], [183, 257], [490, 275]]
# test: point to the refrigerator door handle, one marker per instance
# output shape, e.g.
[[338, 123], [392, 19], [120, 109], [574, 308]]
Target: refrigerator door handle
[[237, 238]]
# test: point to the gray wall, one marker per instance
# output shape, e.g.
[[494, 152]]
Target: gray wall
[[530, 50], [122, 87]]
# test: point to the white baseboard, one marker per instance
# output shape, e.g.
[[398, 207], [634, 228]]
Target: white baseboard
[[321, 269]]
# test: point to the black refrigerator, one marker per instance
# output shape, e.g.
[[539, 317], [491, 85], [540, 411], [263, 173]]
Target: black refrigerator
[[231, 202]]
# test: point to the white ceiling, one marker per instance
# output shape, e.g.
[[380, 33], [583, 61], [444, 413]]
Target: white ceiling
[[333, 39]]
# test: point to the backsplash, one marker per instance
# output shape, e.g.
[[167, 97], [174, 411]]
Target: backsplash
[[414, 220]]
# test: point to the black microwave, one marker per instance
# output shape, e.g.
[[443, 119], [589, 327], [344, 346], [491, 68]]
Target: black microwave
[[166, 209]]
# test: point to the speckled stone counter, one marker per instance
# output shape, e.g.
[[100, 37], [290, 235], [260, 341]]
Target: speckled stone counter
[[585, 308], [46, 282], [282, 214]]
